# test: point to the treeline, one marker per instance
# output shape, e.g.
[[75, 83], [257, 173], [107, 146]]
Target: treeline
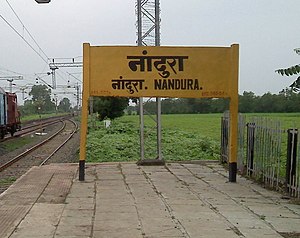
[[41, 102], [285, 101]]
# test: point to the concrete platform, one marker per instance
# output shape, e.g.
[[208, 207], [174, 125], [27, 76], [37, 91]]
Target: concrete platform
[[126, 200]]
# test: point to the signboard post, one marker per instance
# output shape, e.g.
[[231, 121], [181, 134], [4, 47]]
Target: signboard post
[[149, 71]]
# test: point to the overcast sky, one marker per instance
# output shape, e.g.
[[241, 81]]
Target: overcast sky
[[267, 31]]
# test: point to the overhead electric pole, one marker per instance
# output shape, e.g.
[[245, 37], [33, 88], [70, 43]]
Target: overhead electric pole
[[70, 62], [10, 79], [148, 34]]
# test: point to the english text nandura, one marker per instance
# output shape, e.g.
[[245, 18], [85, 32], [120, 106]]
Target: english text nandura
[[177, 84]]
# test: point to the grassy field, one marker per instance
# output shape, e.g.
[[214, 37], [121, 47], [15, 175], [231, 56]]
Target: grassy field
[[210, 124], [38, 116], [202, 124], [288, 120], [184, 137]]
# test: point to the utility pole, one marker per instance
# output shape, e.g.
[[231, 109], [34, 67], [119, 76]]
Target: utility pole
[[56, 65], [69, 87], [55, 101], [63, 63], [77, 93], [148, 31], [38, 78], [22, 89], [10, 79]]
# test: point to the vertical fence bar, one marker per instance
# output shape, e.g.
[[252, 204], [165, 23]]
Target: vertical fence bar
[[250, 147], [298, 172], [263, 158], [278, 152], [263, 150], [291, 159], [224, 139], [241, 138]]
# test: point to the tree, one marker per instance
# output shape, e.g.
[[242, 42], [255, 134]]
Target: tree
[[28, 108], [219, 105], [199, 105], [247, 102], [41, 98], [173, 106], [110, 107], [293, 70], [292, 100], [64, 105]]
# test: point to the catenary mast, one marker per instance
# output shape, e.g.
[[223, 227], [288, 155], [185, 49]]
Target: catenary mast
[[148, 34]]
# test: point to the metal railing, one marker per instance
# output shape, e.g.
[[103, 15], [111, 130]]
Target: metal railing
[[267, 152]]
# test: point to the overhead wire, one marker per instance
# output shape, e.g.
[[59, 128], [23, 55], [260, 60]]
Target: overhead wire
[[75, 77], [8, 70], [66, 72], [24, 27], [45, 58], [23, 38]]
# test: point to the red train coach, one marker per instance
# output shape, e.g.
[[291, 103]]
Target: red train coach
[[13, 114], [9, 113]]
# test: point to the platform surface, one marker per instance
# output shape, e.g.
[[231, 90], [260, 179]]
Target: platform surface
[[126, 200]]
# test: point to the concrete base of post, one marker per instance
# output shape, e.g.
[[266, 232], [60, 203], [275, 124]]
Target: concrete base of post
[[81, 170], [151, 162], [232, 172]]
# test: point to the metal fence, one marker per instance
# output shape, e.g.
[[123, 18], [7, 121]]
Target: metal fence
[[292, 178], [267, 152], [225, 140]]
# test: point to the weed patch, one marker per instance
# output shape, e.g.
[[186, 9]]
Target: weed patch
[[120, 142]]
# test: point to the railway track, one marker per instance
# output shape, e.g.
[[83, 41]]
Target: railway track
[[37, 155], [36, 125], [47, 159]]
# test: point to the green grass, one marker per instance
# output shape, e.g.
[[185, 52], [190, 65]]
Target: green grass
[[206, 125], [288, 120], [37, 116], [7, 181], [184, 137], [12, 145], [202, 124]]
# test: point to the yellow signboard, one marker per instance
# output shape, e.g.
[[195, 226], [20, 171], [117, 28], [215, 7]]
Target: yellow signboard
[[130, 71], [149, 71]]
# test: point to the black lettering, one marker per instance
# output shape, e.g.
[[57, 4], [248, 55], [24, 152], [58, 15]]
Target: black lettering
[[164, 85], [196, 86], [177, 84], [190, 84], [171, 84], [157, 84], [183, 84]]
